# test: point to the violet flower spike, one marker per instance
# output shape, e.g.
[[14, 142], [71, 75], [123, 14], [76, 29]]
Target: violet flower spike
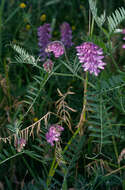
[[66, 35], [91, 55], [53, 135], [56, 47], [44, 37]]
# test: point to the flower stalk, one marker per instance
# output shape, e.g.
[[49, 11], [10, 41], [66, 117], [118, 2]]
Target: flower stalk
[[83, 114]]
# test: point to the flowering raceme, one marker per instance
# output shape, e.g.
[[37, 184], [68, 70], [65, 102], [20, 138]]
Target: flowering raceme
[[44, 37], [56, 47], [66, 35], [54, 134], [91, 55]]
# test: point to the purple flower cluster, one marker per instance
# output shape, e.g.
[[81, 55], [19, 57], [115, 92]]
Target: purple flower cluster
[[54, 134], [123, 32], [66, 35], [91, 55], [56, 47], [44, 37], [88, 53], [48, 66]]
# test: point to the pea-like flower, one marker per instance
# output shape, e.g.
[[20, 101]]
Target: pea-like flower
[[91, 56], [56, 47], [53, 135], [44, 37]]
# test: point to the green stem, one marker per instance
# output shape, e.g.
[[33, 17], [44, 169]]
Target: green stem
[[83, 114], [13, 156], [63, 74], [85, 100], [92, 27], [50, 175]]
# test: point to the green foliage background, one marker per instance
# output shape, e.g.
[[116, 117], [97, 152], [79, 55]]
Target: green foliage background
[[92, 160]]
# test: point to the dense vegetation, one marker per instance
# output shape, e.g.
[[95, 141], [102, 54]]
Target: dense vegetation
[[62, 101]]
